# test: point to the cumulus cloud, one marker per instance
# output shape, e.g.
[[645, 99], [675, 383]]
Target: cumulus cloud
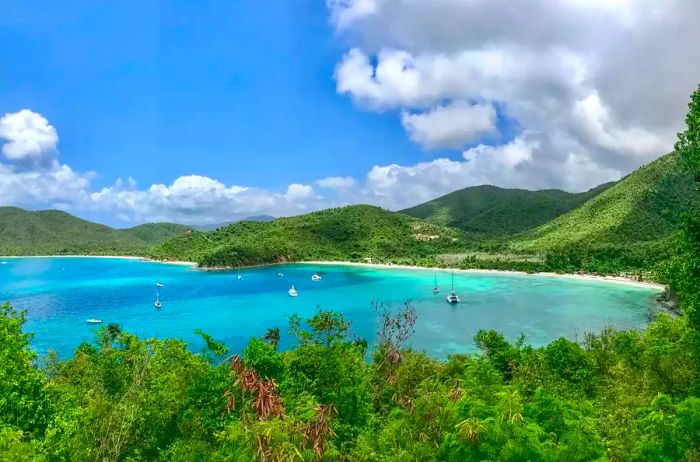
[[336, 182], [450, 126], [31, 176], [28, 138], [598, 83]]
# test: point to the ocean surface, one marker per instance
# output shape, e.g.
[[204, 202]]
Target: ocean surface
[[60, 294]]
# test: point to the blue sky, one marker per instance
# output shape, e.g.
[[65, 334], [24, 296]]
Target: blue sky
[[232, 90], [221, 109]]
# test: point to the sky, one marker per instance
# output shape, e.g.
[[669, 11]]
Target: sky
[[211, 111]]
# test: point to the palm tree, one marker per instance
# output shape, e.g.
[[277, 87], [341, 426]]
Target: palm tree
[[272, 336]]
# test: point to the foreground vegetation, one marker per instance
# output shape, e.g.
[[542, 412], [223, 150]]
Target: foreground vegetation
[[52, 232], [618, 396]]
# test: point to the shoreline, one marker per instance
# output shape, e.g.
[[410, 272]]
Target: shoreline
[[585, 277]]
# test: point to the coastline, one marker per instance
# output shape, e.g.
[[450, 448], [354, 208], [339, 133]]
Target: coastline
[[586, 277]]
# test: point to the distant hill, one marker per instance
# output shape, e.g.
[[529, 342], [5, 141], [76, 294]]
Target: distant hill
[[646, 205], [54, 232], [491, 210], [346, 233]]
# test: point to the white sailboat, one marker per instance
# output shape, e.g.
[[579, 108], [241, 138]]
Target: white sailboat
[[159, 284], [94, 321], [280, 275], [157, 303], [3, 262], [239, 277], [316, 277], [436, 289], [292, 292], [452, 297]]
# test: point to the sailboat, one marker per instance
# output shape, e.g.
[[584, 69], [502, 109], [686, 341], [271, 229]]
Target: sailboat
[[292, 292], [239, 277], [159, 284], [157, 303], [452, 297], [316, 277], [3, 262], [94, 321], [436, 289]]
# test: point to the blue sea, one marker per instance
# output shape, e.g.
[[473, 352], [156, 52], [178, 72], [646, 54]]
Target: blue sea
[[60, 294]]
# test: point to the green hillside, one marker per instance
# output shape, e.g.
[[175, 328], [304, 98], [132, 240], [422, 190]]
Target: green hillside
[[632, 225], [346, 233], [496, 211], [52, 232], [647, 205]]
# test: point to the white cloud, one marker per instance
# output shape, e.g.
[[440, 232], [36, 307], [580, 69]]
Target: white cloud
[[450, 126], [336, 182], [300, 192], [603, 84], [28, 138]]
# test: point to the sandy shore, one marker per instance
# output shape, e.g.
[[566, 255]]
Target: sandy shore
[[587, 277]]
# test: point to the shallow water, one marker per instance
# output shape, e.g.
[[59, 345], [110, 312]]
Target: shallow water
[[59, 294]]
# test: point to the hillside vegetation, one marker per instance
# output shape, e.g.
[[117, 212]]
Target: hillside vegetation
[[647, 205], [632, 226], [496, 211], [346, 233], [52, 232]]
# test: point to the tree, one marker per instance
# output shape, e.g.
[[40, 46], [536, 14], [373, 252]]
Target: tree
[[272, 336], [686, 280], [23, 400]]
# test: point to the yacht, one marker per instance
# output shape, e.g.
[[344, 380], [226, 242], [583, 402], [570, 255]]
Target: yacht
[[159, 284], [452, 297], [157, 303], [292, 292], [316, 277], [94, 321], [436, 289]]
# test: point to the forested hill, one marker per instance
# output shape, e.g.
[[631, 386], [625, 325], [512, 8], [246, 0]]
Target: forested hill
[[346, 233], [52, 232], [494, 211], [647, 205]]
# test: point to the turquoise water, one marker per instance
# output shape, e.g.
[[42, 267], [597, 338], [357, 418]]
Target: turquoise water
[[59, 294]]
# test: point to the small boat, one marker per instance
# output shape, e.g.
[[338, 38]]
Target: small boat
[[157, 304], [239, 277], [316, 277], [436, 289], [159, 284], [280, 274], [452, 297], [3, 262], [94, 321], [292, 292]]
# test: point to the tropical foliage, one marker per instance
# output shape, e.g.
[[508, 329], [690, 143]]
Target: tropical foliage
[[617, 396]]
